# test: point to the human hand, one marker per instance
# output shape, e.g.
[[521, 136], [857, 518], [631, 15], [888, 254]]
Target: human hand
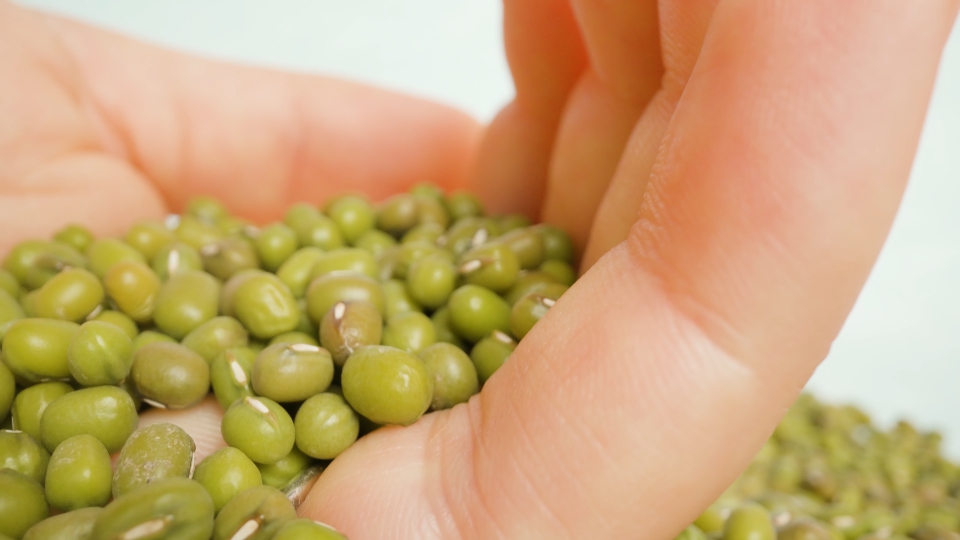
[[757, 170]]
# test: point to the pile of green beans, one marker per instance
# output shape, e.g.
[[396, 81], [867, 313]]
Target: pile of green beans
[[828, 473], [316, 330], [309, 333]]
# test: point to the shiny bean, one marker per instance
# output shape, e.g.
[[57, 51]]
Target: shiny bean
[[133, 287], [106, 412], [152, 453], [149, 237], [185, 301]]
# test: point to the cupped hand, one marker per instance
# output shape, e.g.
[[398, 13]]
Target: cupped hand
[[729, 170]]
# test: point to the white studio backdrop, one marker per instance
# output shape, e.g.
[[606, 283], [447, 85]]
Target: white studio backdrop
[[898, 355]]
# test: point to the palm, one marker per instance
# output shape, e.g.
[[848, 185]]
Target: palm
[[105, 131], [745, 161]]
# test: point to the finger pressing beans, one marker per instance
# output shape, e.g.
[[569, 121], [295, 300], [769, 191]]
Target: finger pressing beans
[[311, 333], [156, 323]]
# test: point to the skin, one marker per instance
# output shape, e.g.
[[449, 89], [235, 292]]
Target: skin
[[748, 156]]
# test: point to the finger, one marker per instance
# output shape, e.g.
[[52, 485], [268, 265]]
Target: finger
[[546, 57], [53, 166], [260, 139], [765, 216], [683, 27], [201, 422], [625, 71]]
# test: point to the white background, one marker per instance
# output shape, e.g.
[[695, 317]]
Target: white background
[[899, 353]]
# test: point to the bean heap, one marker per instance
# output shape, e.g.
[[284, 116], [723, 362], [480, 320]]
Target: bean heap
[[312, 332], [827, 473], [309, 332]]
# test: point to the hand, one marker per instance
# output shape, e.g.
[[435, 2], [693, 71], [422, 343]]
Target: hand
[[746, 157]]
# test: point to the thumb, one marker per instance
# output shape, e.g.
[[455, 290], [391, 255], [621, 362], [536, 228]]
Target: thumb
[[655, 379]]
